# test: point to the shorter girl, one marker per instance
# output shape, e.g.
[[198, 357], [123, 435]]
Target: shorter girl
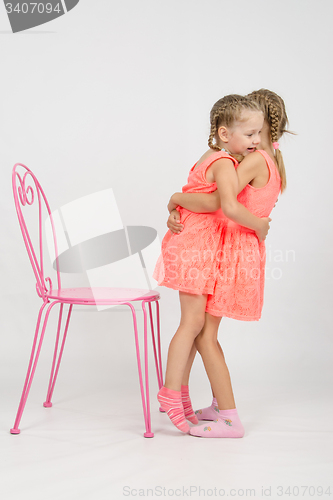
[[264, 171], [190, 261]]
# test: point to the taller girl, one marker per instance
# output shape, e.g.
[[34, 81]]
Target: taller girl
[[190, 261]]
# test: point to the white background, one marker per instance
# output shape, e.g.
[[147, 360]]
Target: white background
[[118, 94]]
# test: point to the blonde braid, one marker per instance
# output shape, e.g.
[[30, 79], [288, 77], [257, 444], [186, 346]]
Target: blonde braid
[[275, 135], [275, 114], [274, 120], [213, 131]]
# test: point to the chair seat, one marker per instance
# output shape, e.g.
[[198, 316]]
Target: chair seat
[[102, 295]]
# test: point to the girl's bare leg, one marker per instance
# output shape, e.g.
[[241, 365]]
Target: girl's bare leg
[[188, 367], [220, 348], [215, 365], [193, 353], [185, 394], [191, 323]]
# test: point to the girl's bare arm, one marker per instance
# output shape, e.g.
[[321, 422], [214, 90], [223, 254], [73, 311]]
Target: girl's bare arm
[[250, 168], [227, 184], [195, 202]]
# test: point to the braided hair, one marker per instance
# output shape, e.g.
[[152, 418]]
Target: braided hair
[[225, 112], [275, 114]]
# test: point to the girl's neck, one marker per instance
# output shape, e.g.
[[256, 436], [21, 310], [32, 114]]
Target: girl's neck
[[266, 143], [266, 140]]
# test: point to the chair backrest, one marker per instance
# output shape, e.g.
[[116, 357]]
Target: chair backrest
[[27, 192]]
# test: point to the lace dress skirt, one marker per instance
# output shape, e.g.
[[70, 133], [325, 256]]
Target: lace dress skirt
[[188, 259], [240, 276]]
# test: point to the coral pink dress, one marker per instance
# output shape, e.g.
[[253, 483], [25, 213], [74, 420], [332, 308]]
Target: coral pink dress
[[214, 255]]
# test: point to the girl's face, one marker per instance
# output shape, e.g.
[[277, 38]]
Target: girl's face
[[244, 135]]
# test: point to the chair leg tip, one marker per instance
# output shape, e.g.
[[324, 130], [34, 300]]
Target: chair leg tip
[[148, 434], [47, 404], [15, 431]]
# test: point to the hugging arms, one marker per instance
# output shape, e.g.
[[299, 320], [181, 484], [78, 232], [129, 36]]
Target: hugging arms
[[252, 170]]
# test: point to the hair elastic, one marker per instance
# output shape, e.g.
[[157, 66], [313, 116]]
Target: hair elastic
[[276, 145]]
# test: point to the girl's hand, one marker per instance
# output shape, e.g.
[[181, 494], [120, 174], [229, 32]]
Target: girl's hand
[[263, 231], [173, 222]]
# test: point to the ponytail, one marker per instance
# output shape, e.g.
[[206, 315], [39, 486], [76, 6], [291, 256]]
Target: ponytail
[[275, 114], [281, 169]]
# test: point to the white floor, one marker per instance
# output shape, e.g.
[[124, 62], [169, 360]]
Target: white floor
[[90, 445]]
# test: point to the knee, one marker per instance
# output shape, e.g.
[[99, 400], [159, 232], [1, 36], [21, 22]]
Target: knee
[[204, 340], [195, 323], [199, 341], [200, 323]]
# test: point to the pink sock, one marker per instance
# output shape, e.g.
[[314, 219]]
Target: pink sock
[[227, 425], [187, 405], [171, 403], [209, 413]]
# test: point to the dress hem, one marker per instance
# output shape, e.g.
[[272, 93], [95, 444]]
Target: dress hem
[[186, 290], [232, 316], [211, 311]]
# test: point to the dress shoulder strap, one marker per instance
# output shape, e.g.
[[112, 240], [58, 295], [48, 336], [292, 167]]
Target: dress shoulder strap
[[212, 158], [197, 181], [273, 171]]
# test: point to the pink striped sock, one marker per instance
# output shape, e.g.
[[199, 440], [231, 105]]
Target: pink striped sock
[[227, 425], [171, 403], [209, 413], [187, 405]]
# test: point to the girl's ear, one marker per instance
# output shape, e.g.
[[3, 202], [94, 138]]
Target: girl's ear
[[223, 134]]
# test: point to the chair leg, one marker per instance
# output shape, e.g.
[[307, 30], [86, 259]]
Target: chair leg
[[157, 356], [144, 397], [148, 433], [32, 364], [55, 366]]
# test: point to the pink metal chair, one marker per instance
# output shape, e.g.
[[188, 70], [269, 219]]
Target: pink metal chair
[[27, 190]]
